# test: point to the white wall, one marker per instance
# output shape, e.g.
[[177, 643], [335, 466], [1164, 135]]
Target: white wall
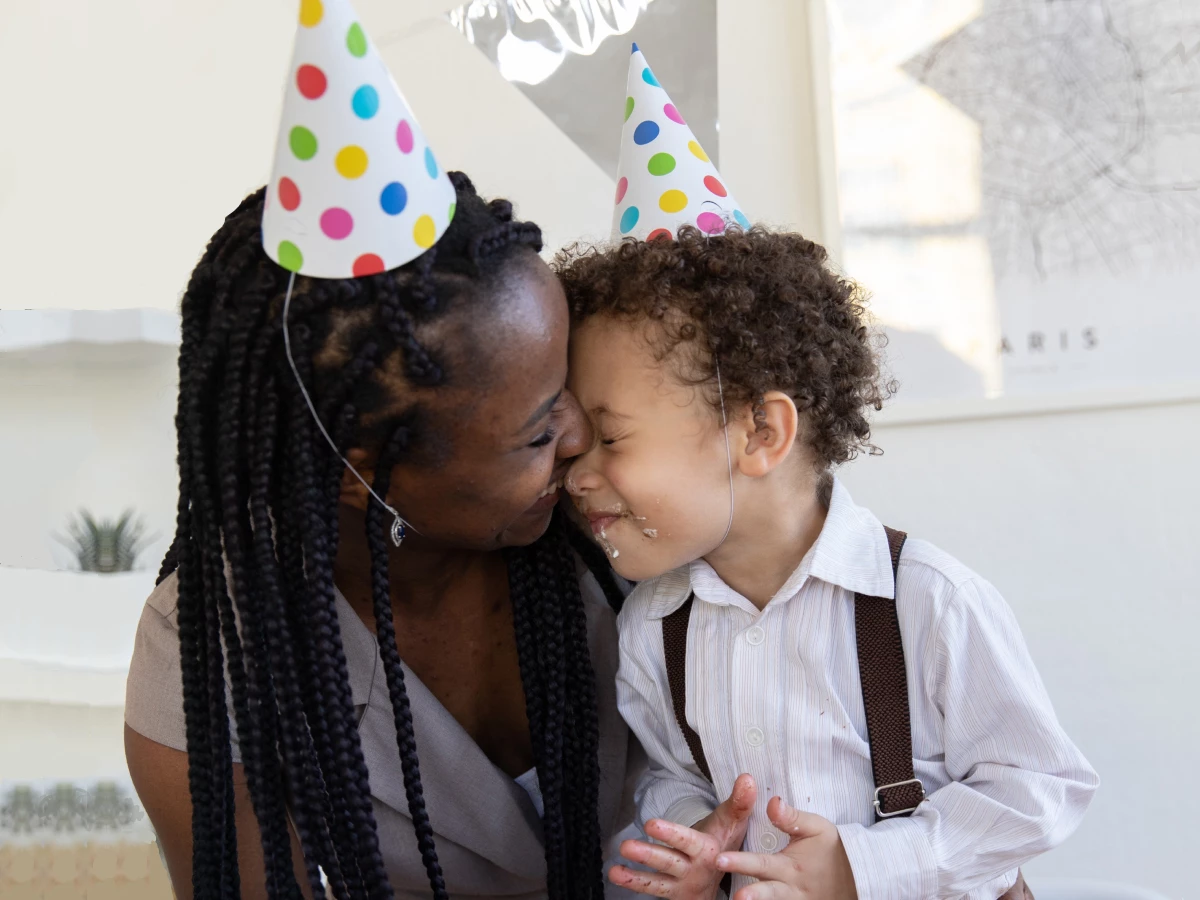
[[131, 128], [84, 434], [1088, 524]]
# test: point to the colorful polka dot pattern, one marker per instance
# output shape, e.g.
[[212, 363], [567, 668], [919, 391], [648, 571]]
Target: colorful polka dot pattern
[[404, 137], [311, 82], [628, 219], [365, 102], [646, 132], [290, 257], [665, 179], [311, 13], [367, 264], [355, 189], [356, 41], [393, 199], [661, 164], [289, 194], [351, 162]]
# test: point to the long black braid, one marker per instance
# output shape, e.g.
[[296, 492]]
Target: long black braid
[[256, 537]]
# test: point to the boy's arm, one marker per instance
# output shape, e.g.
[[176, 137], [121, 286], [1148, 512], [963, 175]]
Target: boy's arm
[[1020, 787], [671, 788]]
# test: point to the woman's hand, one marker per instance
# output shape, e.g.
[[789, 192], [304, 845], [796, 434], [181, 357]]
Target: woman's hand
[[813, 865], [686, 868]]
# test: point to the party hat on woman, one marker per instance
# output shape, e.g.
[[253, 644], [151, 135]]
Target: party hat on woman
[[355, 188], [664, 177]]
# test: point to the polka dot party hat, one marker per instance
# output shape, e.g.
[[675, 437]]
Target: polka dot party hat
[[355, 189], [664, 177]]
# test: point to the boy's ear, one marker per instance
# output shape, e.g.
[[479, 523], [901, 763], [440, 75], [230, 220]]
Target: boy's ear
[[770, 434]]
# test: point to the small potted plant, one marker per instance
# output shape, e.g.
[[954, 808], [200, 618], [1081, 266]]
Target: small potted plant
[[107, 545]]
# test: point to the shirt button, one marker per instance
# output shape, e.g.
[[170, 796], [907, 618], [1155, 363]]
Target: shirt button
[[768, 841], [755, 737], [755, 636]]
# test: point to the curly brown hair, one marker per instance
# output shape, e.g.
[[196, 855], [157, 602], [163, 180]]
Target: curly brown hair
[[762, 302]]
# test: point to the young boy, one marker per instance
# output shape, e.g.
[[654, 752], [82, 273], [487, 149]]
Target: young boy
[[726, 377]]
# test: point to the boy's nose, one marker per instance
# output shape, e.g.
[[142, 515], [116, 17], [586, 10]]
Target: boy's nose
[[582, 478]]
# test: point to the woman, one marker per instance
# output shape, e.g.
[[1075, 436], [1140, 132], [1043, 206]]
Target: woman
[[482, 640]]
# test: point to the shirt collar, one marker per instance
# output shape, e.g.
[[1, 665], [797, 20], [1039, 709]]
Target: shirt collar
[[851, 552]]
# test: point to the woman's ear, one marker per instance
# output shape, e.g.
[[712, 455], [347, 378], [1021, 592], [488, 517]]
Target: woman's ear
[[353, 492], [770, 434]]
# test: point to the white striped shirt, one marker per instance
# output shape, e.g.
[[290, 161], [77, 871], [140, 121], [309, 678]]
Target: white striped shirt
[[777, 694]]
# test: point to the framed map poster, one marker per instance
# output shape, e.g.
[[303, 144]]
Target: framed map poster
[[1019, 190]]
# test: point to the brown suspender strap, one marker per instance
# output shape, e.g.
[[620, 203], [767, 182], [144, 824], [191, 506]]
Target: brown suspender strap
[[885, 697], [675, 632], [884, 688]]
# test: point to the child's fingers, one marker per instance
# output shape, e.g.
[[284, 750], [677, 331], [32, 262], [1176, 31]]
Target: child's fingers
[[642, 882], [742, 797], [795, 822], [661, 859], [763, 866], [686, 840], [765, 890]]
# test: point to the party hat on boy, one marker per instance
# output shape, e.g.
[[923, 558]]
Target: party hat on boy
[[664, 177], [355, 188]]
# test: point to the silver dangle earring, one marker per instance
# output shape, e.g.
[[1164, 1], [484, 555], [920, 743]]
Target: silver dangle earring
[[400, 528], [399, 531]]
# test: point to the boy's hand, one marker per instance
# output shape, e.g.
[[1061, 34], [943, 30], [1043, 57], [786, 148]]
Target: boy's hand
[[813, 865], [686, 868]]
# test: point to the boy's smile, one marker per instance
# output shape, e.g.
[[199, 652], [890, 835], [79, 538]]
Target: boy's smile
[[655, 484]]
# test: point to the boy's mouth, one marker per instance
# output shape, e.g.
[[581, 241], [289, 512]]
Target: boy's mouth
[[601, 519]]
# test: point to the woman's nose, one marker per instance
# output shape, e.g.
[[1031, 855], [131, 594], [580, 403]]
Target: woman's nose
[[577, 434]]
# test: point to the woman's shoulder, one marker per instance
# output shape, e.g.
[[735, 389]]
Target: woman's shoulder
[[153, 689], [164, 599]]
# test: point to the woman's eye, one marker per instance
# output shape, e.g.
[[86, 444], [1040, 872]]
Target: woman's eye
[[543, 439]]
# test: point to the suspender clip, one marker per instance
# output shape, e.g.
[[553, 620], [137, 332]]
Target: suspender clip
[[900, 812]]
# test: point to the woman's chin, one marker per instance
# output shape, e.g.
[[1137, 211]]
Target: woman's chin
[[526, 528]]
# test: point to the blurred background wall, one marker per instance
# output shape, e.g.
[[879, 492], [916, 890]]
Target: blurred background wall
[[133, 126]]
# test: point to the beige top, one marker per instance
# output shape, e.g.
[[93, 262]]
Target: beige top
[[487, 829]]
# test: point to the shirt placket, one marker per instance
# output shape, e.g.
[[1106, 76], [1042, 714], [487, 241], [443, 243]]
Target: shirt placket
[[754, 732]]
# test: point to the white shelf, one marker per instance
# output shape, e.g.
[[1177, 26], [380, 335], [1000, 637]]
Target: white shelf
[[43, 661], [60, 336]]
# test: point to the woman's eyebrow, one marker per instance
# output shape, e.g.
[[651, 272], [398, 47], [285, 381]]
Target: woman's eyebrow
[[541, 411]]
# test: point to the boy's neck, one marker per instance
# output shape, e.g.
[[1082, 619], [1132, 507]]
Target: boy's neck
[[774, 526]]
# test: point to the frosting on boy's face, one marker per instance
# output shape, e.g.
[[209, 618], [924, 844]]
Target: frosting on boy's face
[[655, 484]]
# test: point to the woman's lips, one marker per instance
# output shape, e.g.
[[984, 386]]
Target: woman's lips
[[545, 502], [549, 497]]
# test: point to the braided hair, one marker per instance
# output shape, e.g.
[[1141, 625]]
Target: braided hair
[[256, 536]]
